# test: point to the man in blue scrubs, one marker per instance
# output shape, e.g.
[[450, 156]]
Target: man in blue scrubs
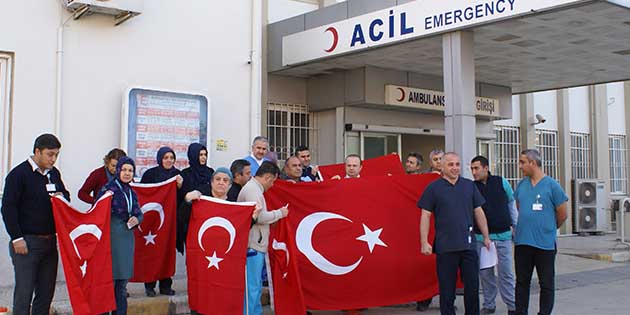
[[542, 206], [456, 204]]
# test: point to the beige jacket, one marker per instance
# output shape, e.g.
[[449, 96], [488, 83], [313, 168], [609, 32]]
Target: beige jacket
[[259, 233]]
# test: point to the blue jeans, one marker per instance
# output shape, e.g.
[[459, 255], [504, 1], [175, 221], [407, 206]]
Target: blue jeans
[[120, 293], [505, 281], [253, 292]]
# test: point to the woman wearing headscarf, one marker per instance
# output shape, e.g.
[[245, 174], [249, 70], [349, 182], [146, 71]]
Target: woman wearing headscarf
[[196, 175], [219, 186], [164, 170], [125, 216], [100, 176]]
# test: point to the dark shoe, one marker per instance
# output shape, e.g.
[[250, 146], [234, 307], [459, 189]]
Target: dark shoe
[[150, 292], [422, 307], [487, 310], [168, 291]]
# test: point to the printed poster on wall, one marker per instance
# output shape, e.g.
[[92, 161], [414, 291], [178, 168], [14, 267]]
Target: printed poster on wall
[[159, 118]]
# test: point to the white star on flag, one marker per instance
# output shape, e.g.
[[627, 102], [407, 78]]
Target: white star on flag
[[213, 261], [371, 238], [83, 268], [149, 238]]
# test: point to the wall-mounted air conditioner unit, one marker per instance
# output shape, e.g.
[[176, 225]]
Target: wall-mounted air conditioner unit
[[589, 206], [122, 10]]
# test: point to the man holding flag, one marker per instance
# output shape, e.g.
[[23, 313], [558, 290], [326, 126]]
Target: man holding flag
[[259, 232], [28, 217]]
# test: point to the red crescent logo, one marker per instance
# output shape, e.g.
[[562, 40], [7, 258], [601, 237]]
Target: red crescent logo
[[335, 35], [402, 95]]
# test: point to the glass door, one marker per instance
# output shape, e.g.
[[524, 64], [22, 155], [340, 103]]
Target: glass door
[[379, 144]]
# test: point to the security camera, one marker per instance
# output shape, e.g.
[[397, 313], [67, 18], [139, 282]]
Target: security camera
[[540, 119]]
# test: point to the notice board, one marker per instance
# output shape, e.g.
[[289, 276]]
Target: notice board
[[155, 118]]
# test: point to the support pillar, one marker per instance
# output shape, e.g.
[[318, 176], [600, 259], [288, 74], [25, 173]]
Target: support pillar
[[599, 131], [564, 152], [528, 131], [459, 89]]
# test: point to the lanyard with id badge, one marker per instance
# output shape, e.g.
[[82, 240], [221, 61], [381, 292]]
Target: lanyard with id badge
[[537, 206], [129, 200], [51, 188]]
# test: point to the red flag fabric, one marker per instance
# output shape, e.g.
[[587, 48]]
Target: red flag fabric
[[287, 293], [358, 241], [85, 249], [155, 238], [379, 166], [216, 251]]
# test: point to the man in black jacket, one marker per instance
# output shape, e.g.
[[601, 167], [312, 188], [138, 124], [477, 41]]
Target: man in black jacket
[[28, 217], [501, 213]]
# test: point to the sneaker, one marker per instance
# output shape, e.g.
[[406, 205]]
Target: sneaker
[[487, 310], [167, 291], [150, 292]]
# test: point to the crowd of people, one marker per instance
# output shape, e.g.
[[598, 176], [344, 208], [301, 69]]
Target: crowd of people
[[469, 215]]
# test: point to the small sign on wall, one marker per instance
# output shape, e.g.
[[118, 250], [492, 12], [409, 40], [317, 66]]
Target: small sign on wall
[[222, 145], [435, 100]]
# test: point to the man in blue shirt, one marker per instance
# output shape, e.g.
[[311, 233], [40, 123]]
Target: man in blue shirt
[[260, 146], [456, 204], [501, 213], [542, 208]]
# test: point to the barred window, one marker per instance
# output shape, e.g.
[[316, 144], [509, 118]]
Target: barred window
[[288, 126], [507, 151], [618, 164], [547, 144], [581, 166]]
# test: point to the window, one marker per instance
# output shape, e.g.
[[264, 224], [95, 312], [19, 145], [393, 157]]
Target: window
[[547, 144], [6, 88], [581, 166], [618, 164], [289, 126], [507, 151]]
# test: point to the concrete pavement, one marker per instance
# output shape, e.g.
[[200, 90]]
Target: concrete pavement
[[583, 286]]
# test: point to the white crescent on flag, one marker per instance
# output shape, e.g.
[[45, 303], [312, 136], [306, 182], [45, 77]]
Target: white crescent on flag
[[153, 206], [219, 222], [304, 240], [82, 230]]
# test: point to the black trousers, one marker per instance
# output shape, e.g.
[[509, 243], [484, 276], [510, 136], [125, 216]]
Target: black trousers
[[467, 262], [526, 258], [165, 284], [35, 272]]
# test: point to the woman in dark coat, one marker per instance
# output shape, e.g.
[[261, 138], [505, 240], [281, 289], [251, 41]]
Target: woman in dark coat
[[195, 176], [165, 170], [125, 216]]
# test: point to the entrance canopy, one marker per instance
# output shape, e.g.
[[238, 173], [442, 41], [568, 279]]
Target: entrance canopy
[[527, 45]]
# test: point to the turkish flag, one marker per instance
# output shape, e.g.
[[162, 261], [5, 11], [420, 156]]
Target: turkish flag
[[155, 237], [216, 252], [85, 248], [358, 241], [379, 166], [287, 293]]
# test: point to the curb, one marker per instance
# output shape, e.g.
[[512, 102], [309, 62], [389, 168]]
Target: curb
[[615, 257], [159, 305]]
